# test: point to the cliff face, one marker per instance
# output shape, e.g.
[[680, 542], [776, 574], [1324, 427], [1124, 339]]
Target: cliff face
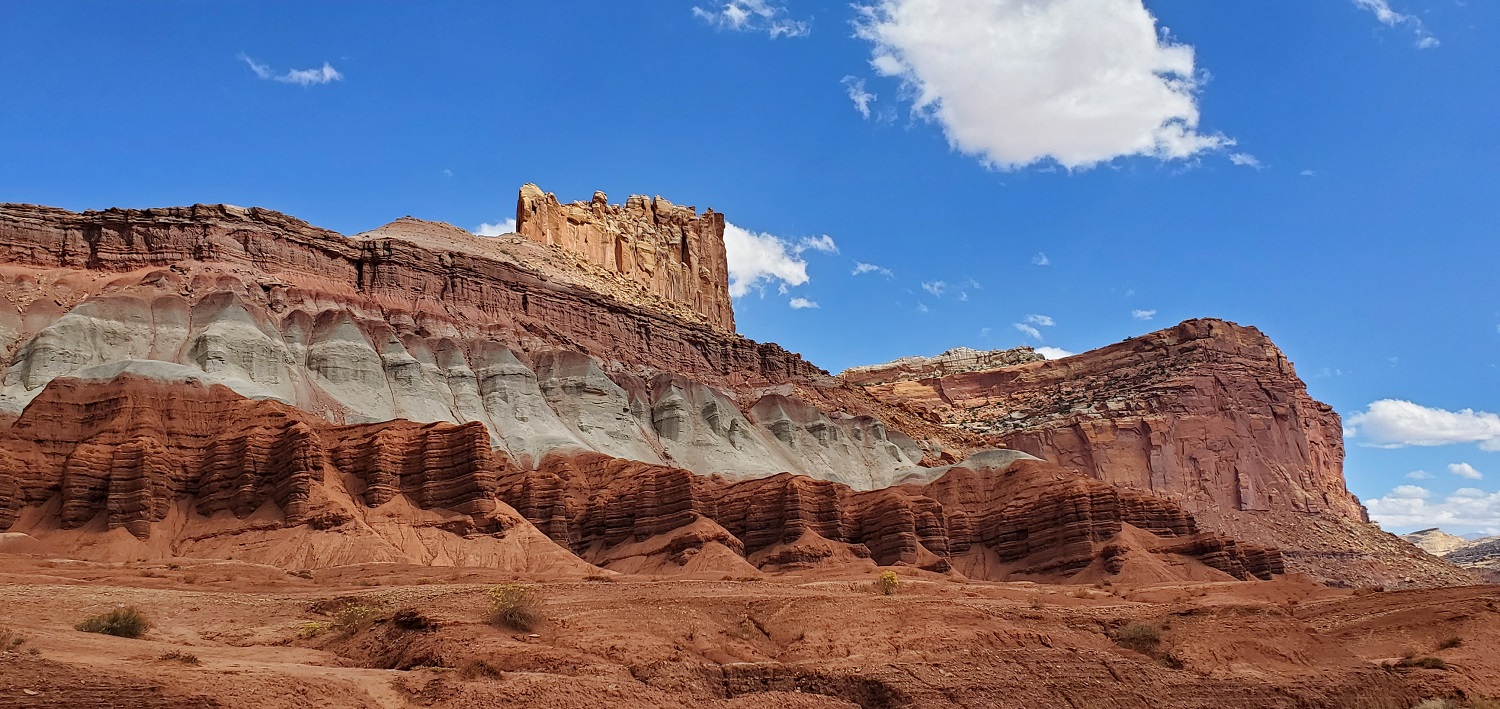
[[670, 250], [166, 457], [1208, 414], [414, 321], [955, 361]]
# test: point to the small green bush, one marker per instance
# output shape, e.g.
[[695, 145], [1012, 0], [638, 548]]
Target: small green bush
[[120, 622], [515, 606], [354, 617], [313, 629], [887, 582]]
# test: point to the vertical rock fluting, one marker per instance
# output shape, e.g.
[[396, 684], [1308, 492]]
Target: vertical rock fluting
[[668, 249]]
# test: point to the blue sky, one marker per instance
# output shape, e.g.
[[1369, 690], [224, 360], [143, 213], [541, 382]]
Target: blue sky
[[1324, 170]]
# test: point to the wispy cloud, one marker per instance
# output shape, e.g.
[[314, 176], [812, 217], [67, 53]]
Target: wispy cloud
[[1040, 320], [1245, 160], [857, 93], [822, 243], [1143, 314], [802, 304], [1389, 17], [1029, 330], [1041, 260], [1419, 475], [861, 268], [935, 287], [301, 77], [753, 16]]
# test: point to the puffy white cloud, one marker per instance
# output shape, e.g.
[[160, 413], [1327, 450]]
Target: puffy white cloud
[[507, 226], [1143, 314], [1016, 82], [1393, 423], [1464, 470], [802, 304], [753, 16], [861, 268], [301, 77], [1389, 17], [1245, 160], [1029, 330], [1041, 320], [1041, 260], [1412, 507], [857, 93], [935, 287], [758, 258], [1053, 352]]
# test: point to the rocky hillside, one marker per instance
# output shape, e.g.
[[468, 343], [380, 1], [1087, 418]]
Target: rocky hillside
[[577, 385], [1208, 414]]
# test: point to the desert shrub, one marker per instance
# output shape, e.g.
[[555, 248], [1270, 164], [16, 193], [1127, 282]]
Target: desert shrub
[[1141, 637], [1451, 643], [354, 617], [1426, 663], [179, 656], [887, 582], [120, 622], [515, 606], [10, 640], [473, 669], [313, 629]]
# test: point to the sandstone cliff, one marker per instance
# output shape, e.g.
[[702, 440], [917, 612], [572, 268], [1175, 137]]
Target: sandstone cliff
[[186, 467], [1208, 414], [669, 249]]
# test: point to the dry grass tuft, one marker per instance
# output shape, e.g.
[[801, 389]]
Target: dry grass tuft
[[121, 622]]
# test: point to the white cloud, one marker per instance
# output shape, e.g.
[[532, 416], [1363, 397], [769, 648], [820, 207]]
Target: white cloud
[[1041, 260], [922, 307], [1409, 506], [1464, 470], [861, 268], [1016, 82], [753, 16], [1309, 173], [1419, 475], [822, 243], [759, 257], [1053, 352], [1392, 423], [802, 304], [301, 77], [1391, 18], [1245, 160], [1042, 320], [935, 287], [1143, 314], [1023, 327], [507, 226], [857, 93], [985, 332]]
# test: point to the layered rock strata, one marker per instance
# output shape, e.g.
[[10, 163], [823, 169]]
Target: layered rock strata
[[125, 453], [1208, 414], [669, 249], [955, 361]]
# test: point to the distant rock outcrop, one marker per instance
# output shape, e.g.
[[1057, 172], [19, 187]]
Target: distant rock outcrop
[[955, 361], [1436, 542]]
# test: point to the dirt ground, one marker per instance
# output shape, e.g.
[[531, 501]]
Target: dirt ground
[[228, 634]]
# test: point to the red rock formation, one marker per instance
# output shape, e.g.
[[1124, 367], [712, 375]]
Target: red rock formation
[[669, 249], [132, 448], [286, 265], [1207, 414]]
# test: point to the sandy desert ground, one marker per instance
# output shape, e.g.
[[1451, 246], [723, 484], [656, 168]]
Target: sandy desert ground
[[229, 634]]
